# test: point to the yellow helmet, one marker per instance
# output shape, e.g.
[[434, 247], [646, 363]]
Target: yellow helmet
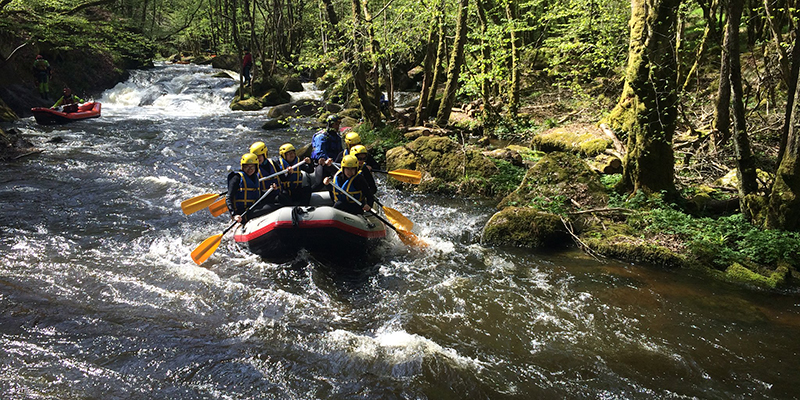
[[352, 139], [349, 161], [249, 158], [358, 149], [285, 148], [259, 149]]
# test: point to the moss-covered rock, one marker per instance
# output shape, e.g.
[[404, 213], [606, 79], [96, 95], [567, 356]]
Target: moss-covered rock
[[451, 168], [525, 227], [621, 241], [584, 141], [741, 274], [558, 179], [6, 113], [248, 104]]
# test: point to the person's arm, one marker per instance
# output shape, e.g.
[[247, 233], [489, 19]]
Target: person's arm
[[59, 102], [369, 198], [79, 100], [233, 190]]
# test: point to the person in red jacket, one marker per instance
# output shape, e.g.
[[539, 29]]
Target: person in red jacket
[[247, 65]]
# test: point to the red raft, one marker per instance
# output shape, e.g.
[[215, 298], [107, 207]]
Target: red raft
[[319, 228], [49, 116]]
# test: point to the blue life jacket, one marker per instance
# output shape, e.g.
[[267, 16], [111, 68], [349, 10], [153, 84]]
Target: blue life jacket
[[325, 145], [248, 193], [341, 181], [293, 179], [265, 169]]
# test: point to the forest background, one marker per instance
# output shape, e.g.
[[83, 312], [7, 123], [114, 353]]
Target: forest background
[[688, 92]]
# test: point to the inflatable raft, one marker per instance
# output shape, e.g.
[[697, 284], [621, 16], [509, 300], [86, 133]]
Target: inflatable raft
[[49, 116], [319, 228]]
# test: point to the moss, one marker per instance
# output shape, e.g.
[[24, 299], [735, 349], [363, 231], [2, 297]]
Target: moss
[[559, 177], [6, 113], [634, 249], [738, 273], [561, 139], [525, 227], [445, 160]]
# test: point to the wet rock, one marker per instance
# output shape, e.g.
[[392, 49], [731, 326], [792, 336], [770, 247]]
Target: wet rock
[[273, 124], [525, 227]]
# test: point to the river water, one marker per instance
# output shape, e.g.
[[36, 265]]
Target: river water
[[101, 300]]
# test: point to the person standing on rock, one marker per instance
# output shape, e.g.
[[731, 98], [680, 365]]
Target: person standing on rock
[[247, 65], [41, 75]]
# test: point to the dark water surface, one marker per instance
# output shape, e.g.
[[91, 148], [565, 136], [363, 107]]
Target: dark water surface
[[99, 298]]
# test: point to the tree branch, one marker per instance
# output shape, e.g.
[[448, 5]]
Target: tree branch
[[87, 5]]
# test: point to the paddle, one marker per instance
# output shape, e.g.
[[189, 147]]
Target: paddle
[[403, 175], [218, 208], [395, 217], [201, 253], [405, 236], [202, 201]]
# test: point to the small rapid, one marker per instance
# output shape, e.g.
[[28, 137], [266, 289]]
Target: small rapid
[[100, 298]]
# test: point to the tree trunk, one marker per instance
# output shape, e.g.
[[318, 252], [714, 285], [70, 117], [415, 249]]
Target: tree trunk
[[783, 211], [647, 109], [746, 170], [486, 58], [792, 86], [427, 76], [513, 90], [454, 69], [722, 115], [359, 70], [332, 18], [441, 54]]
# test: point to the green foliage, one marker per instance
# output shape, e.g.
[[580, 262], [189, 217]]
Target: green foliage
[[553, 205], [727, 240], [609, 181], [381, 140], [508, 177]]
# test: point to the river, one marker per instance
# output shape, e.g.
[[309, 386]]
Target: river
[[101, 300]]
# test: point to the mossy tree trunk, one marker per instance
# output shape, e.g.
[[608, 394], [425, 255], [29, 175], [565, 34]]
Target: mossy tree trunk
[[441, 54], [647, 109], [427, 75], [722, 104], [783, 211], [454, 68], [746, 170], [513, 90], [794, 71], [486, 59], [359, 70]]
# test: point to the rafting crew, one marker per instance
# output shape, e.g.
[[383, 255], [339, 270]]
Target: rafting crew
[[350, 179], [293, 191]]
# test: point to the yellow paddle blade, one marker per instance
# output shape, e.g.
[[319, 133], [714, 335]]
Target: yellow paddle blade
[[397, 219], [407, 176], [410, 239], [206, 249], [218, 208], [198, 203]]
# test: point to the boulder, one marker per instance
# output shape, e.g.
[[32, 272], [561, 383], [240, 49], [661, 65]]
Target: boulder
[[586, 140], [450, 167], [559, 181], [226, 61], [273, 124], [525, 227], [302, 108]]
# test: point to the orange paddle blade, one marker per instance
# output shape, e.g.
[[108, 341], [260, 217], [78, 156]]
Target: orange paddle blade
[[218, 208], [410, 239], [198, 203], [206, 249], [407, 176], [397, 219]]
